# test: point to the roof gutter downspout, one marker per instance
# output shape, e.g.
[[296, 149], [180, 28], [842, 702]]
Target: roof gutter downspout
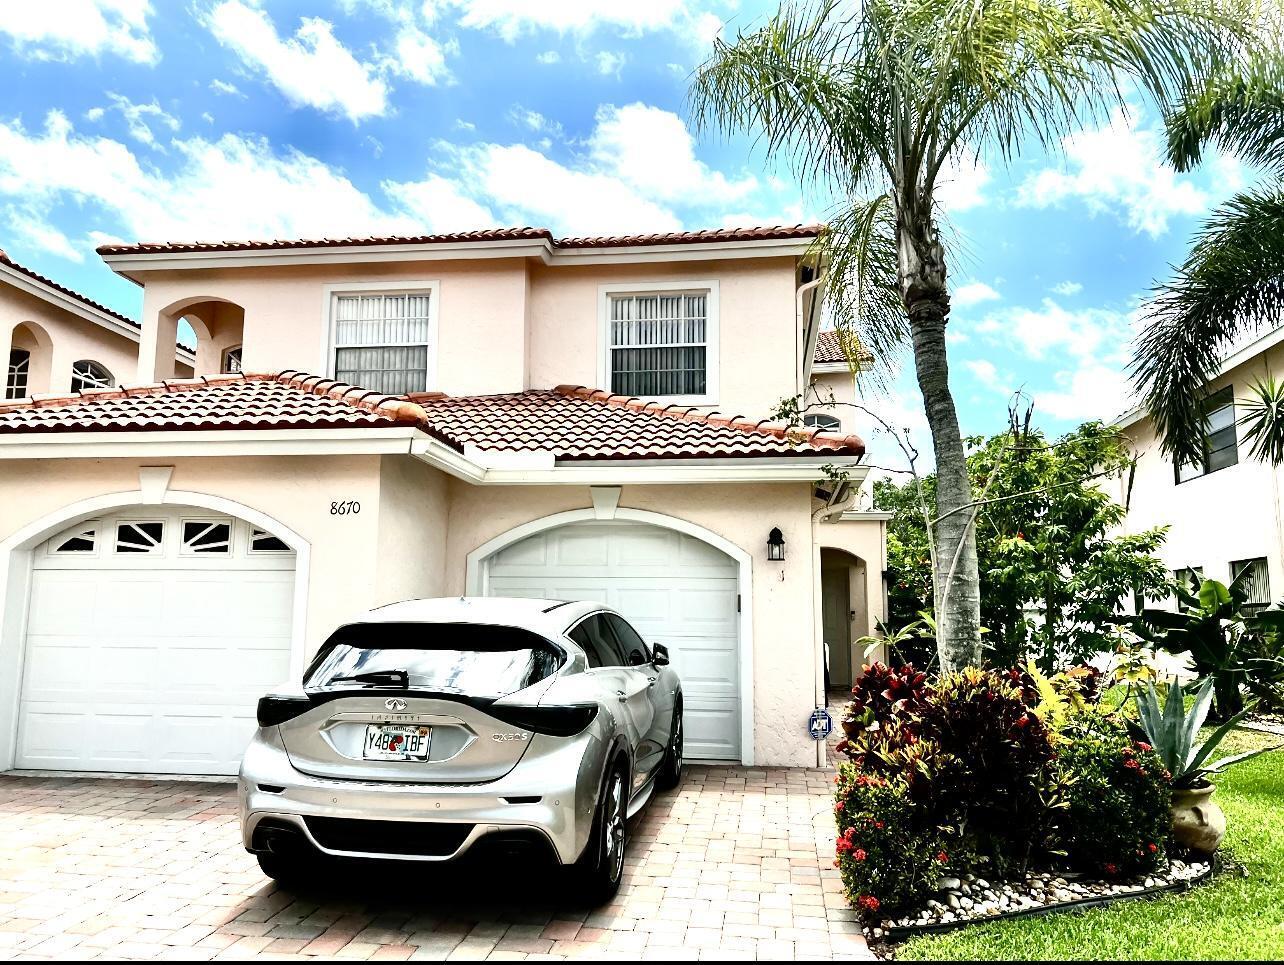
[[810, 330]]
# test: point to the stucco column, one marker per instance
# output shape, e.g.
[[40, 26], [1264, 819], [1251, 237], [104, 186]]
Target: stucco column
[[156, 347], [6, 345]]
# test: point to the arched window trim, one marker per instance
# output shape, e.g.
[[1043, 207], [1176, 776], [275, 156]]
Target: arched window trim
[[88, 374]]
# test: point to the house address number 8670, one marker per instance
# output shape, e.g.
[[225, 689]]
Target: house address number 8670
[[345, 507]]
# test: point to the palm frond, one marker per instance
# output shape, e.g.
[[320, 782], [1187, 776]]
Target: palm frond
[[1231, 284], [1263, 420], [1240, 110]]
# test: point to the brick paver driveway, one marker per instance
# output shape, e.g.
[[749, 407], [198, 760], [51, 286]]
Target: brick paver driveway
[[737, 864]]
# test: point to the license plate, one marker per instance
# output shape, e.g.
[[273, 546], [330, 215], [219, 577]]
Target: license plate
[[397, 742]]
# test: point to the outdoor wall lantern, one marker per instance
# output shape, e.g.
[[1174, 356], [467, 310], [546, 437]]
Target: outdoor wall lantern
[[775, 545]]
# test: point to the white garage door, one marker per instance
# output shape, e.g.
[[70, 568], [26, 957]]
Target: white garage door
[[675, 589], [150, 637]]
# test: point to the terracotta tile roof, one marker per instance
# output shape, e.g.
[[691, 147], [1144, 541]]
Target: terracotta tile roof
[[577, 423], [783, 232], [70, 293], [829, 350], [221, 402], [571, 422]]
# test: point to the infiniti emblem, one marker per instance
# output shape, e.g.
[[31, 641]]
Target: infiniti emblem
[[395, 703]]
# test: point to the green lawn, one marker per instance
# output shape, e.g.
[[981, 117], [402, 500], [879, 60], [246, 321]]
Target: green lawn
[[1233, 917]]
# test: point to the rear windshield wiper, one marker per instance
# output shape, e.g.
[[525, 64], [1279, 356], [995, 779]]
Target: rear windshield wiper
[[395, 678]]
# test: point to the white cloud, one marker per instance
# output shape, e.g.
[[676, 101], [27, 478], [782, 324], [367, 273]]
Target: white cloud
[[139, 118], [64, 29], [224, 87], [651, 150], [418, 57], [1092, 391], [548, 57], [973, 293], [233, 187], [1066, 288], [960, 184], [610, 63], [512, 18], [1118, 168], [534, 120], [312, 68], [439, 204], [34, 232]]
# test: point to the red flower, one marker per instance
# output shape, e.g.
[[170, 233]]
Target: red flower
[[859, 854], [1143, 746], [868, 902], [1132, 764], [846, 841], [1111, 869], [1023, 720], [880, 825], [838, 807], [942, 857], [1152, 847]]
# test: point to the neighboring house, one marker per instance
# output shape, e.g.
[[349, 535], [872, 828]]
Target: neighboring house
[[57, 340], [541, 417], [1224, 514]]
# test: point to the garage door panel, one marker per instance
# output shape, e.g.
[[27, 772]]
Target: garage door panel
[[151, 665], [673, 588]]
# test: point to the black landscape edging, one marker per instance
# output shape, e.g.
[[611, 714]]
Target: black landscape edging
[[897, 933]]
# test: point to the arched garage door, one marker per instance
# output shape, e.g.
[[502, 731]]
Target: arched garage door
[[151, 634], [674, 588]]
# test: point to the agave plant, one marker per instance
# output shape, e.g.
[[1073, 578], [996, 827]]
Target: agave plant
[[1173, 733]]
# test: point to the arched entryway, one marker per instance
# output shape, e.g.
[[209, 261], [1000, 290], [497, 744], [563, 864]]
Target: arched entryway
[[677, 584], [843, 610], [30, 361], [141, 636], [216, 325]]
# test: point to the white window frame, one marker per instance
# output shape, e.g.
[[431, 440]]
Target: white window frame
[[251, 550], [227, 354], [94, 526], [392, 286], [75, 374], [185, 550], [159, 549], [674, 286]]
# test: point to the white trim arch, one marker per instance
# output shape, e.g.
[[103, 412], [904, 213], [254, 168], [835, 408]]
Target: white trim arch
[[15, 584], [477, 585]]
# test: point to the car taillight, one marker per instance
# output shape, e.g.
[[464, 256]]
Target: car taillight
[[278, 708], [559, 720]]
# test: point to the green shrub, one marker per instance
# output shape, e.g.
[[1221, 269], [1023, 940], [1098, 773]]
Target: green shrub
[[997, 781], [889, 852], [1117, 820]]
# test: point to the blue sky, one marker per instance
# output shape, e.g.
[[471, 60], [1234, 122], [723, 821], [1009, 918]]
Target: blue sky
[[236, 118]]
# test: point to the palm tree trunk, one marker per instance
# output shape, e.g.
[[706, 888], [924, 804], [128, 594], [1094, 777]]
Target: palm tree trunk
[[956, 584]]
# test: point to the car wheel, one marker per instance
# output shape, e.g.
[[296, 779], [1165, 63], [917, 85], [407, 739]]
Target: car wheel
[[602, 866], [286, 869], [670, 775]]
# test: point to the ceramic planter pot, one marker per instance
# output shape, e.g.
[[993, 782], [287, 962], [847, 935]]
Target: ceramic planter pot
[[1198, 821]]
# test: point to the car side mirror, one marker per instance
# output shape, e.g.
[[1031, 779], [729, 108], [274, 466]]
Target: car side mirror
[[660, 655]]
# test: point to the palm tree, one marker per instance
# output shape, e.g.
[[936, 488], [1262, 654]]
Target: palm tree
[[880, 99], [1232, 282]]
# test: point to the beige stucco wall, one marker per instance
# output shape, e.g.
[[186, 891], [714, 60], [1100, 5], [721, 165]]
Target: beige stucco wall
[[70, 338], [841, 388], [1232, 514], [504, 324], [417, 527]]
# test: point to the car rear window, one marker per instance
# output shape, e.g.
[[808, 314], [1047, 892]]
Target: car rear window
[[453, 658]]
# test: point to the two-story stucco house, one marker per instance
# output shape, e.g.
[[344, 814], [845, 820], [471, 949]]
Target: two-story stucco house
[[1225, 513], [496, 412], [56, 340]]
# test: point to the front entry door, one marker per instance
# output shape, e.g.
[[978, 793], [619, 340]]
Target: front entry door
[[835, 609]]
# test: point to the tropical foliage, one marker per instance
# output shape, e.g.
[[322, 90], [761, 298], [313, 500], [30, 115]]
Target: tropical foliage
[[1232, 282], [880, 100], [1055, 569], [1174, 733]]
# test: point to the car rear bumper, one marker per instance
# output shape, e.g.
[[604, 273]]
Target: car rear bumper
[[545, 803]]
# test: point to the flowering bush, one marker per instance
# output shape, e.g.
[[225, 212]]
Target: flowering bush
[[889, 853], [1117, 817]]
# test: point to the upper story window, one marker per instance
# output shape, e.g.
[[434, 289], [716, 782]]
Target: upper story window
[[15, 385], [88, 374], [232, 360], [1220, 444], [661, 340], [384, 341], [1257, 582], [822, 421]]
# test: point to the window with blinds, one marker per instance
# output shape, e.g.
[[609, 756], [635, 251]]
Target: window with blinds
[[1221, 447], [1257, 582], [658, 343], [381, 341]]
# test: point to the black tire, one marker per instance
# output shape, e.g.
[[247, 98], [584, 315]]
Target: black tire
[[670, 774], [601, 868], [288, 869]]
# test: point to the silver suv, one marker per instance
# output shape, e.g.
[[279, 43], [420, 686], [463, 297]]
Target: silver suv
[[433, 729]]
